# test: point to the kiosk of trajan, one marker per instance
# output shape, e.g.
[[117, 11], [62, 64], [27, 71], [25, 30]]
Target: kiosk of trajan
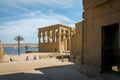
[[55, 38]]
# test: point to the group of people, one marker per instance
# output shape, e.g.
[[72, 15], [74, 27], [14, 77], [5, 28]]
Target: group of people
[[35, 58], [27, 58]]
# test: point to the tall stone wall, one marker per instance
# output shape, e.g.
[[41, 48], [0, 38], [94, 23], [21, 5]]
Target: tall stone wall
[[76, 41], [97, 13]]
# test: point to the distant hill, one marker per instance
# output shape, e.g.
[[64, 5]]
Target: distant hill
[[21, 45]]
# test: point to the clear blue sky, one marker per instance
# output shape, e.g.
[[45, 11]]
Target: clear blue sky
[[23, 17]]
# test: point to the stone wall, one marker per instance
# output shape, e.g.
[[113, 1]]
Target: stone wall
[[97, 14], [76, 42]]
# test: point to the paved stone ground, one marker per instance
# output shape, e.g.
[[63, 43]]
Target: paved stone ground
[[55, 73]]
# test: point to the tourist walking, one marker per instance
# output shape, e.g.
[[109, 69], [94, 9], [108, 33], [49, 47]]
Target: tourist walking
[[27, 58], [35, 57]]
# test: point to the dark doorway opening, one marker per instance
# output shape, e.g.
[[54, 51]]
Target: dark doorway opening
[[55, 49], [110, 47], [68, 45]]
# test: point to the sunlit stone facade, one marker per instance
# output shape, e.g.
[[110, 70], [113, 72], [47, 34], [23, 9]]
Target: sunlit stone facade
[[101, 35], [55, 38]]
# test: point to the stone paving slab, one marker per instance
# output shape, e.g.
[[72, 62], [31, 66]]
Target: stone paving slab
[[53, 73]]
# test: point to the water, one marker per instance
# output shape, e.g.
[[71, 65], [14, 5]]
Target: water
[[15, 50]]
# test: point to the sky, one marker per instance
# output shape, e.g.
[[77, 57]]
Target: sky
[[24, 17]]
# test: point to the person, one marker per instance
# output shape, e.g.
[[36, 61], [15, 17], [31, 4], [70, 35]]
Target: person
[[35, 57], [11, 59], [27, 58]]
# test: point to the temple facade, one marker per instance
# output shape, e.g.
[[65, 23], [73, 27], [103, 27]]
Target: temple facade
[[55, 38], [101, 36]]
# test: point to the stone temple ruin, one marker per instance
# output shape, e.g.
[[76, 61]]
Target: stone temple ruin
[[95, 41], [100, 46], [55, 38]]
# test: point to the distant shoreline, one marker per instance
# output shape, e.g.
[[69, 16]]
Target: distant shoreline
[[21, 45], [9, 50]]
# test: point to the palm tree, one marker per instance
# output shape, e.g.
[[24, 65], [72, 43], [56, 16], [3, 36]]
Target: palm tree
[[18, 39]]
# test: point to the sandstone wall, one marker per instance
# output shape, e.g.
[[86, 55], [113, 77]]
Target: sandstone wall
[[76, 41], [97, 13]]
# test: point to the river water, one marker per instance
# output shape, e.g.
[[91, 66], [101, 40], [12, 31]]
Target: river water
[[15, 50]]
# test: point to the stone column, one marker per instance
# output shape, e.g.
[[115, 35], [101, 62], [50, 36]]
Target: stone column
[[1, 50], [53, 35], [64, 40], [44, 37], [64, 35], [59, 40], [39, 36], [48, 34], [68, 34], [56, 36]]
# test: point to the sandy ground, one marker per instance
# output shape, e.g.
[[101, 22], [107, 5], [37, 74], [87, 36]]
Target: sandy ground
[[22, 57], [19, 63], [56, 70], [46, 69]]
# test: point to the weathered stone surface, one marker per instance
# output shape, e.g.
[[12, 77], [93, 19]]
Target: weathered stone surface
[[65, 60], [100, 15], [76, 40], [55, 38], [96, 38]]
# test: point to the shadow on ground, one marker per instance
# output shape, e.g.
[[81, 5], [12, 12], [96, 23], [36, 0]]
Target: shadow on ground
[[68, 72]]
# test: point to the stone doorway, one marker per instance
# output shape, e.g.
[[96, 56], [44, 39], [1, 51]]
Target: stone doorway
[[110, 47]]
